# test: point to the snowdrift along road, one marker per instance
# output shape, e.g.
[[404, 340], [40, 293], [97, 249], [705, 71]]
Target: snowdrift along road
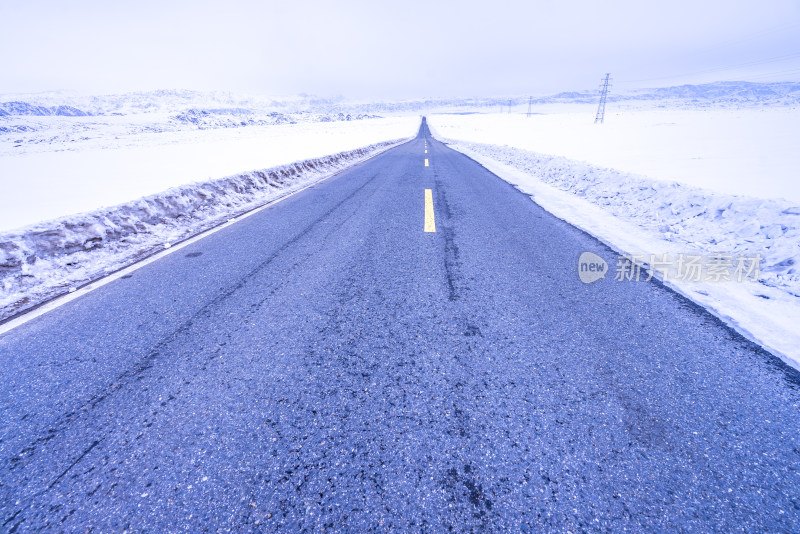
[[46, 259]]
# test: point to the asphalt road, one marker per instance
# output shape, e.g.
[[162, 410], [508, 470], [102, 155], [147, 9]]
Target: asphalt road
[[328, 364]]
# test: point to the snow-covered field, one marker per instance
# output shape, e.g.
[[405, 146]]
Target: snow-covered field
[[76, 206], [749, 151], [64, 177], [713, 183]]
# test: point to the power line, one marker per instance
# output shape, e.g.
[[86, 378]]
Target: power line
[[752, 41], [752, 63], [773, 74], [727, 44]]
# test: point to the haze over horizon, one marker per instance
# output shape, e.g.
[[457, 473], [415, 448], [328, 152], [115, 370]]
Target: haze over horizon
[[361, 50]]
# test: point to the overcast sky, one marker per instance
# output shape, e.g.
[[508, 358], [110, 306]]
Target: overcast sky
[[394, 49]]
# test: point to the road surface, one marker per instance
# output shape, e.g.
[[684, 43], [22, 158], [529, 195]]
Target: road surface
[[338, 362]]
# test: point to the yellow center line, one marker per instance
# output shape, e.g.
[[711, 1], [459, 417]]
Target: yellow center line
[[426, 151], [426, 162], [430, 224]]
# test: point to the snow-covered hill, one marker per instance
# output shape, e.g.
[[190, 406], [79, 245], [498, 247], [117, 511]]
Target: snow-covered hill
[[303, 107], [25, 108], [161, 101], [716, 94], [64, 121], [744, 93]]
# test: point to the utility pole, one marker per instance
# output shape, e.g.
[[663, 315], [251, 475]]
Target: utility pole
[[509, 107], [601, 108], [530, 104]]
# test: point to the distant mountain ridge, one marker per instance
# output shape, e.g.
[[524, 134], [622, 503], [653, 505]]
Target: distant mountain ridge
[[746, 91], [704, 95], [779, 93], [24, 108], [197, 107], [160, 101]]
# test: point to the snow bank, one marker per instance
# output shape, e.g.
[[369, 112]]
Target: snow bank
[[704, 220], [40, 261], [640, 217]]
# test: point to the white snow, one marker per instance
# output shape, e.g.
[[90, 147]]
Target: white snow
[[45, 180], [749, 151], [701, 212]]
